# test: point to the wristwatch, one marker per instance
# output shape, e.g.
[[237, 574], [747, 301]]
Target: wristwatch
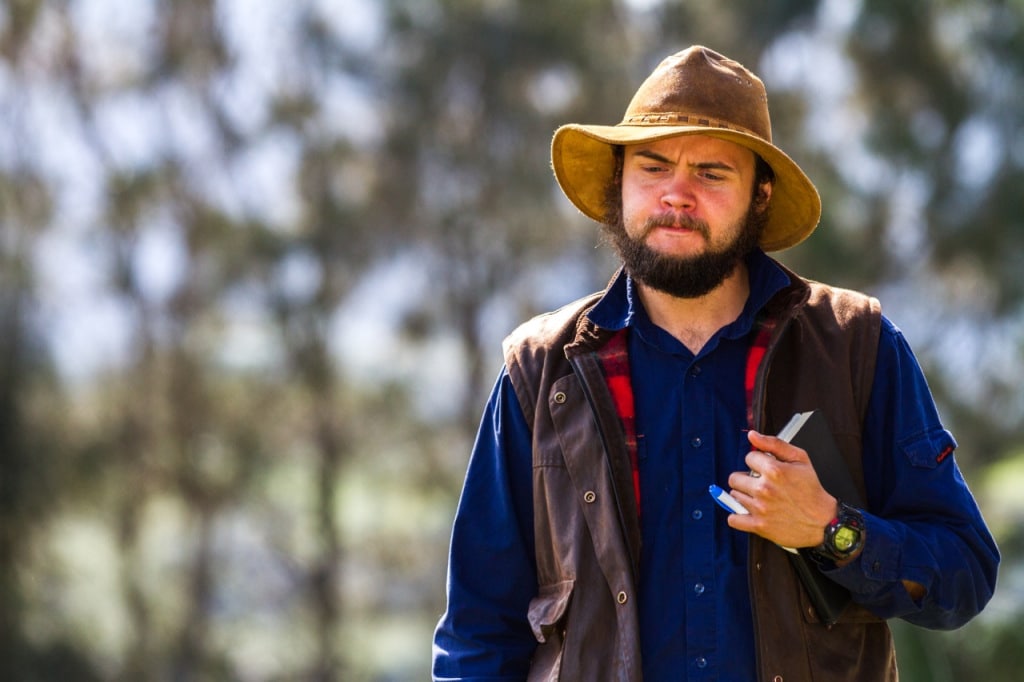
[[844, 535]]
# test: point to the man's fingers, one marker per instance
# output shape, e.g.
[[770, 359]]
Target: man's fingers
[[774, 447], [757, 461]]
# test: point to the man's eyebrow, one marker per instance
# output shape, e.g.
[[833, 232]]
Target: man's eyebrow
[[654, 156], [705, 165], [715, 165]]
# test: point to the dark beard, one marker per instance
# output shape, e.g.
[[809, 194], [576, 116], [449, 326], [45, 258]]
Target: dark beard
[[682, 277]]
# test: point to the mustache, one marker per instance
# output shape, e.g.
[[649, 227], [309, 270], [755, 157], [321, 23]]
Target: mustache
[[677, 221]]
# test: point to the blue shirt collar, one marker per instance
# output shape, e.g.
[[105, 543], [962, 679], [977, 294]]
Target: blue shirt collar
[[620, 306]]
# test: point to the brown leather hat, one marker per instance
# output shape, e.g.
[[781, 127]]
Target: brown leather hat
[[694, 92]]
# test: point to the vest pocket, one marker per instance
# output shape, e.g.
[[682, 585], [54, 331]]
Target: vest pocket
[[853, 613], [547, 610], [547, 614]]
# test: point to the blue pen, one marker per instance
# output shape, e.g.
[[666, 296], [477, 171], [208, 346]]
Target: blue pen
[[726, 501]]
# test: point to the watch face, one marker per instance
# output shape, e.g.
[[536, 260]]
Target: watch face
[[845, 538]]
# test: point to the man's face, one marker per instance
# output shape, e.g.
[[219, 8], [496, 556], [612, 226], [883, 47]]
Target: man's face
[[686, 217]]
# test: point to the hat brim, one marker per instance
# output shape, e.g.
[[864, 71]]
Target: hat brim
[[583, 162]]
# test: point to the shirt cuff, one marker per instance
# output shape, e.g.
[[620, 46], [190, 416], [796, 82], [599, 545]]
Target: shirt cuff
[[875, 577]]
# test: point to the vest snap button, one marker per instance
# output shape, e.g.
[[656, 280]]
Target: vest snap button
[[622, 597], [560, 397], [589, 496]]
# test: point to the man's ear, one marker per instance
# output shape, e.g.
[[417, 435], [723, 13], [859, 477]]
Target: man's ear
[[763, 196]]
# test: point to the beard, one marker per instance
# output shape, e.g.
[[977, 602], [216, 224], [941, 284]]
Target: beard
[[682, 276]]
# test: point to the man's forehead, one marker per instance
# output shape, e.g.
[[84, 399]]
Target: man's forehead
[[671, 147]]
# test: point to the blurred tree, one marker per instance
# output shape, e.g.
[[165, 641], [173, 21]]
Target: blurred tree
[[31, 396], [942, 87], [304, 228], [166, 429], [474, 92], [31, 430]]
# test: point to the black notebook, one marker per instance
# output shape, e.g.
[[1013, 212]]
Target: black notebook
[[810, 431]]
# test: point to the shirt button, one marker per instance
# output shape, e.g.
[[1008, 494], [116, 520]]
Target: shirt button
[[698, 588], [621, 597], [695, 371], [702, 662], [697, 514], [589, 496], [696, 442]]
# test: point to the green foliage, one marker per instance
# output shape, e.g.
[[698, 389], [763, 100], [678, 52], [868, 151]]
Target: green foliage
[[257, 258]]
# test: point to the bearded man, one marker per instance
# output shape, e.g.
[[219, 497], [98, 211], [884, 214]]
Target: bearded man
[[586, 546]]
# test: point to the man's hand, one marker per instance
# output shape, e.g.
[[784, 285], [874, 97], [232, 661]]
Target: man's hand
[[787, 503], [785, 499]]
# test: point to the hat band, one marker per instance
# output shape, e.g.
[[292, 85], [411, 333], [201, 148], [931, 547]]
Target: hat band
[[689, 119]]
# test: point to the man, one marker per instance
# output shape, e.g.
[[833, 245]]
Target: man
[[586, 546]]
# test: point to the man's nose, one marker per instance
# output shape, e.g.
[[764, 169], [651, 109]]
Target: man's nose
[[678, 192]]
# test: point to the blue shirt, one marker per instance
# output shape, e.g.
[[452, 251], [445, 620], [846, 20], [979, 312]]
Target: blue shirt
[[695, 618]]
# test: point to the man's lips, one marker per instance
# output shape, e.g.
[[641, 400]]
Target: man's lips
[[677, 225], [676, 229]]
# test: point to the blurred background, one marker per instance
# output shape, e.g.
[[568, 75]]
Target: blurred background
[[257, 258]]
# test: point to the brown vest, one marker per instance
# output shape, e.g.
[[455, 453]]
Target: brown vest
[[822, 355]]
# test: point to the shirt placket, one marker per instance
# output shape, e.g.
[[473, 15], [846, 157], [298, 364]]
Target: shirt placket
[[698, 434]]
